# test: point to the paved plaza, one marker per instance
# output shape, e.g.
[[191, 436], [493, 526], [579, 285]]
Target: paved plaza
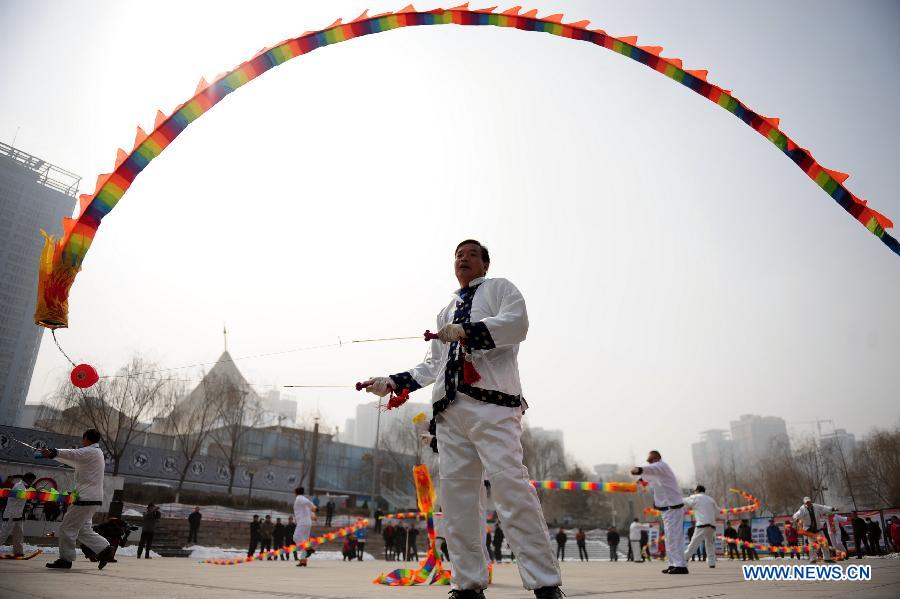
[[186, 578]]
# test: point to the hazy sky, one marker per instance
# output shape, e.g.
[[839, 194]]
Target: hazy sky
[[679, 271]]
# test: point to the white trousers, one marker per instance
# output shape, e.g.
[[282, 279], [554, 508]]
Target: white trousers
[[703, 535], [18, 535], [301, 533], [76, 527], [673, 520], [636, 551], [477, 439]]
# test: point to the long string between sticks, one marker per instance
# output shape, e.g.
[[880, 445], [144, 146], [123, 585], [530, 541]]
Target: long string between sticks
[[56, 341]]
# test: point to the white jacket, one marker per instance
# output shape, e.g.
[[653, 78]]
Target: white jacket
[[634, 531], [501, 307], [15, 507], [666, 491], [89, 468], [821, 512], [705, 508]]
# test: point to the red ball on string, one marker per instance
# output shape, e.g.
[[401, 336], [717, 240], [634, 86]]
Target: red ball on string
[[84, 376]]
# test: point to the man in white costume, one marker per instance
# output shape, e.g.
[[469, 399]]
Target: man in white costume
[[667, 499], [304, 513], [14, 514], [634, 537], [89, 467], [478, 426], [705, 513], [835, 524], [811, 517]]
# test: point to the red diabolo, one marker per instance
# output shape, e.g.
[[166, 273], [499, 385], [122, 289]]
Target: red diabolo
[[84, 376]]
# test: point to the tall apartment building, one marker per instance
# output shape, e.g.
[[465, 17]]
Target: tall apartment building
[[756, 437], [712, 452], [34, 195]]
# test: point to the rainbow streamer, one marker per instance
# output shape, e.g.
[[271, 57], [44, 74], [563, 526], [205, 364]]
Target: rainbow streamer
[[62, 258], [819, 542], [725, 511], [572, 485], [288, 549], [32, 494]]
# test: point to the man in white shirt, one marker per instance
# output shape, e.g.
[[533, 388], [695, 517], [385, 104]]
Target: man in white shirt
[[478, 405], [811, 517], [14, 514], [705, 513], [89, 467], [667, 499], [836, 523], [304, 513], [634, 537]]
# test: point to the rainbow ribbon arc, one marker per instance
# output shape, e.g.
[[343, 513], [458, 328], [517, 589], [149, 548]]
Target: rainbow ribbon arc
[[62, 258], [32, 494]]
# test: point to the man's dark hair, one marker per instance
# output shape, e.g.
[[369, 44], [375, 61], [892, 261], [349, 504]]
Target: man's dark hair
[[29, 477], [656, 453], [299, 491], [700, 489], [485, 255], [92, 435]]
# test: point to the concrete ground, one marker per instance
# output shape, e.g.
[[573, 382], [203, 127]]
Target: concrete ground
[[186, 578]]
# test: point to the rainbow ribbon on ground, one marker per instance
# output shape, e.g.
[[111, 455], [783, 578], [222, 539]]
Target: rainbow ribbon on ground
[[288, 549], [725, 511], [819, 542], [67, 497], [62, 258], [431, 566]]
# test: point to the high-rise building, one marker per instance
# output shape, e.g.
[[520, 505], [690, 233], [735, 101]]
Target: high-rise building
[[34, 195], [360, 431], [713, 456], [756, 438]]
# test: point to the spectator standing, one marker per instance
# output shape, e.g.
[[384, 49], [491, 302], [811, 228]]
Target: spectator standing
[[254, 535], [278, 539], [894, 532], [289, 529], [194, 524], [489, 545], [791, 538], [265, 536], [51, 511], [774, 536], [498, 543], [329, 511], [860, 536], [151, 517], [360, 542], [379, 516], [561, 538], [745, 533], [612, 539], [730, 534], [400, 541], [874, 531], [388, 535], [581, 542], [412, 546]]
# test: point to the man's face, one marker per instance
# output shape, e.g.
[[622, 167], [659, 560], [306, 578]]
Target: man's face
[[808, 504], [468, 264], [652, 458], [85, 442]]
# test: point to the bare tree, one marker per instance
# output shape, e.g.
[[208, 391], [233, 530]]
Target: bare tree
[[119, 407], [189, 423], [237, 412], [876, 466], [400, 449]]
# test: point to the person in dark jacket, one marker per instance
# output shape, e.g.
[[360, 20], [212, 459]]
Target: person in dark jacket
[[387, 534], [329, 512], [254, 535], [265, 535], [194, 524], [730, 534], [581, 542], [289, 529], [151, 517], [561, 538], [860, 536], [774, 536], [412, 545], [278, 538], [612, 539], [745, 533], [488, 545], [400, 535], [498, 544], [874, 530]]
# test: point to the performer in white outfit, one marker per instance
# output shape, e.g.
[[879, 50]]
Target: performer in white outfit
[[811, 517], [634, 537], [667, 498], [478, 426], [835, 523], [304, 513], [14, 514], [77, 526], [705, 513]]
